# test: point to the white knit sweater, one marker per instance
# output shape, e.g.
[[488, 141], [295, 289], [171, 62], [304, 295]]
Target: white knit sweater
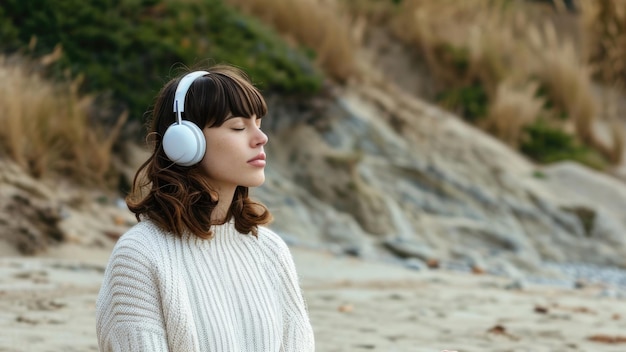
[[232, 293]]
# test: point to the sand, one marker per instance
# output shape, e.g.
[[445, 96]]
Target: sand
[[47, 304]]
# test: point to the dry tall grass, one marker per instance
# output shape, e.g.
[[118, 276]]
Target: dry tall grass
[[604, 23], [497, 44], [46, 129], [565, 76], [604, 35], [513, 108], [461, 41], [316, 24], [509, 48]]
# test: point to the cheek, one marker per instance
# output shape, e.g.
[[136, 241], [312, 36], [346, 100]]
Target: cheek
[[221, 145], [219, 153]]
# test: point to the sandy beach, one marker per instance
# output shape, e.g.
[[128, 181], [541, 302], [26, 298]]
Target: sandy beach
[[47, 304]]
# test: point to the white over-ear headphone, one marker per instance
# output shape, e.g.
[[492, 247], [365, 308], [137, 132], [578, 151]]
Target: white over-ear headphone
[[184, 142]]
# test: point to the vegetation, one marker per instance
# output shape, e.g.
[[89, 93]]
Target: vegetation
[[468, 101], [319, 25], [503, 65], [604, 23], [548, 144], [48, 131], [111, 57], [127, 47]]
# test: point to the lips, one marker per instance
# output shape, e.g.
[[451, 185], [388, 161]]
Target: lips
[[258, 160]]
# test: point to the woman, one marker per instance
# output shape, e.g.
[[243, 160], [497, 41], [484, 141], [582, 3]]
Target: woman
[[198, 272]]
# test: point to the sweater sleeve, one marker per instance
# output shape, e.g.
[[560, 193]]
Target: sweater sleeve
[[298, 332], [128, 312]]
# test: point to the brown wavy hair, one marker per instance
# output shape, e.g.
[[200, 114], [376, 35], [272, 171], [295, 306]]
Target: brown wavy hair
[[178, 198]]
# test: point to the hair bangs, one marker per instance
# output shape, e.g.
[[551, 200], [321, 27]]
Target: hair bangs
[[235, 95], [226, 92], [245, 101]]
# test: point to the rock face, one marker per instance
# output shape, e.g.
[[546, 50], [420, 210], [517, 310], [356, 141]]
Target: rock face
[[29, 217], [377, 173], [37, 215]]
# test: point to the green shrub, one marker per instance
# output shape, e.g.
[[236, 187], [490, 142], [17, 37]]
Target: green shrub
[[547, 144], [129, 47], [456, 58], [471, 102], [543, 92]]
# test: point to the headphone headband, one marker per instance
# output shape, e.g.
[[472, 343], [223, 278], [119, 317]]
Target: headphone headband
[[181, 92]]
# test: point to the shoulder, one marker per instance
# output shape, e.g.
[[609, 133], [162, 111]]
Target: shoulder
[[274, 246], [144, 232], [134, 260], [270, 239], [143, 240]]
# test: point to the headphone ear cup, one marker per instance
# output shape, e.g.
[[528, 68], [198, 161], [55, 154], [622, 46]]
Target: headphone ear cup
[[184, 143]]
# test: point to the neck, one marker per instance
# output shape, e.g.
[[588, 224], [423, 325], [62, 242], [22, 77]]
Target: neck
[[225, 198]]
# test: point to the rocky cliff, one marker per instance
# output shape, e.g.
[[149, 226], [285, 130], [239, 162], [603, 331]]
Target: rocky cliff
[[372, 172], [377, 173]]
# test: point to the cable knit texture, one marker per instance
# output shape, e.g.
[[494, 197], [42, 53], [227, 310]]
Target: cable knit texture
[[232, 293]]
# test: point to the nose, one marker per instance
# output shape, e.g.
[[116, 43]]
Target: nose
[[260, 138]]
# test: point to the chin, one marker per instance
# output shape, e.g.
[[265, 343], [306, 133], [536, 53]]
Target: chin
[[256, 182]]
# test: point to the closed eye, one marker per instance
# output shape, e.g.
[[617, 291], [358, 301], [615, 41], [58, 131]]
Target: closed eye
[[238, 129]]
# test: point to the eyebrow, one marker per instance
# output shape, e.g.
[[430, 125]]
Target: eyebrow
[[231, 116]]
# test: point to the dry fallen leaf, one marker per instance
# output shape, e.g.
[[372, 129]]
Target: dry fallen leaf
[[114, 235], [498, 329], [477, 270], [118, 220], [607, 339], [432, 263], [345, 308], [501, 330]]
